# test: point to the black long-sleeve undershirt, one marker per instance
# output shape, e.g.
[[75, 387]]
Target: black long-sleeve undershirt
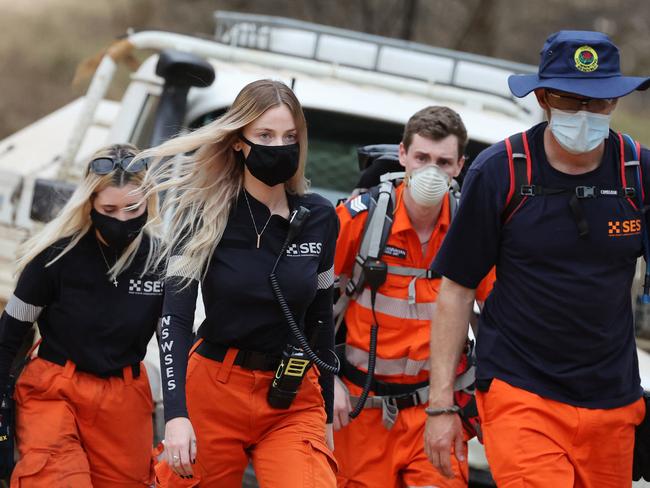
[[241, 310]]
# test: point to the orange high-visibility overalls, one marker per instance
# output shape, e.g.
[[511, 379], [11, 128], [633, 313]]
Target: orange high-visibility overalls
[[361, 448]]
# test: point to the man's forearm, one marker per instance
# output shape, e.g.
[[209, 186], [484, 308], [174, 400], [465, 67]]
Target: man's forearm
[[448, 335]]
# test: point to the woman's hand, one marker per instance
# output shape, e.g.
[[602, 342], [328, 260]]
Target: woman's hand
[[180, 446]]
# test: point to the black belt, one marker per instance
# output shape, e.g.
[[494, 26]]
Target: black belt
[[53, 357], [245, 359], [379, 388]]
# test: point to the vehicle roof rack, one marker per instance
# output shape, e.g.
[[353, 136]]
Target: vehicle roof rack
[[368, 52]]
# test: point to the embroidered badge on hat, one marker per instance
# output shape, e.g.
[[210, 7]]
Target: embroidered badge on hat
[[586, 59], [592, 70]]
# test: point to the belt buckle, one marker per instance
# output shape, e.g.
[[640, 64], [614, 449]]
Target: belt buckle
[[413, 397]]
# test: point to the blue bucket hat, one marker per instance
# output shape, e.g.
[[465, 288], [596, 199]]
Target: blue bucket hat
[[580, 62]]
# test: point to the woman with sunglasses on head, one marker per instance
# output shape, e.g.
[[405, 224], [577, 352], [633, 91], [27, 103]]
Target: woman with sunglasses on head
[[236, 204], [84, 406]]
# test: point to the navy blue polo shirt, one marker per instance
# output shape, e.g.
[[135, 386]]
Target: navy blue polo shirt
[[559, 321]]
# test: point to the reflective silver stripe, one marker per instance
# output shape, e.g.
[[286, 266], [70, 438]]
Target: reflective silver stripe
[[407, 271], [359, 359], [180, 266], [22, 311], [397, 307], [326, 279], [407, 366]]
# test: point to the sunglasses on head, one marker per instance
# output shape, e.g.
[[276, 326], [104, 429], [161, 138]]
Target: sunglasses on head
[[106, 165]]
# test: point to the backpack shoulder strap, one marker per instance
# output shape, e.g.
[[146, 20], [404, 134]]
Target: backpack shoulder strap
[[371, 244], [375, 232], [520, 169], [631, 170], [454, 199]]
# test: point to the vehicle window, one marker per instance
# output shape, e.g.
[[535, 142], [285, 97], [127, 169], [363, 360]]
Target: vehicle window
[[332, 165], [333, 141]]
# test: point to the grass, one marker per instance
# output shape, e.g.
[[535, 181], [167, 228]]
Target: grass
[[634, 123]]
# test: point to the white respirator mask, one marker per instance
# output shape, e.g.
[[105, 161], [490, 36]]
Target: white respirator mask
[[579, 132], [428, 185]]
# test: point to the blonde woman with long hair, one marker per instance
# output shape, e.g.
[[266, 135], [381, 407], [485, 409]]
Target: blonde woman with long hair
[[231, 193], [84, 406]]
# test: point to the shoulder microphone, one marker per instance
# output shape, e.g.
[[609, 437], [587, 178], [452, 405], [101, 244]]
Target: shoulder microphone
[[296, 223]]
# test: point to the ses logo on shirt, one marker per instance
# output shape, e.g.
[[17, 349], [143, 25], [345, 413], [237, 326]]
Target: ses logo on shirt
[[305, 249], [622, 228], [145, 287]]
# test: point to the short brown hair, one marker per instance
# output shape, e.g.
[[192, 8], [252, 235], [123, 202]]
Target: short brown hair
[[436, 123]]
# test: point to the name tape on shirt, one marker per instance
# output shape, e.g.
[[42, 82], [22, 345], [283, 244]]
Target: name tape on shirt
[[145, 287], [396, 252], [305, 249]]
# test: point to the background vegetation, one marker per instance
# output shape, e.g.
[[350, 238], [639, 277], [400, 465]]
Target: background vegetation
[[43, 41]]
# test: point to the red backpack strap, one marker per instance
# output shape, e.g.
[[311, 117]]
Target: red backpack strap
[[520, 166], [630, 169], [638, 151]]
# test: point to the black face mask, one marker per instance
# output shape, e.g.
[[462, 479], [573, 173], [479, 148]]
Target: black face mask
[[118, 233], [272, 165]]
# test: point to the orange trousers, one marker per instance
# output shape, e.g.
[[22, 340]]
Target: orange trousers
[[76, 430], [371, 456], [233, 422], [534, 442]]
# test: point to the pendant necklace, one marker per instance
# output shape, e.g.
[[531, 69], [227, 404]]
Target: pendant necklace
[[259, 234], [108, 268]]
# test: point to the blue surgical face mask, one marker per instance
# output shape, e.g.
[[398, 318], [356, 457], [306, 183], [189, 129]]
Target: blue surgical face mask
[[579, 132]]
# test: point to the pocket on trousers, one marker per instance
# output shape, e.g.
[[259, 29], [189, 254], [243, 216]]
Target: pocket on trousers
[[642, 411], [166, 478], [143, 387], [192, 364], [318, 448], [43, 468], [35, 378], [29, 467], [311, 391]]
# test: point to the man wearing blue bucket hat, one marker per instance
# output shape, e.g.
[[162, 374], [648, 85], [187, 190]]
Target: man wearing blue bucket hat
[[557, 210]]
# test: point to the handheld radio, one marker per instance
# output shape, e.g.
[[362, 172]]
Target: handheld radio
[[297, 356]]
